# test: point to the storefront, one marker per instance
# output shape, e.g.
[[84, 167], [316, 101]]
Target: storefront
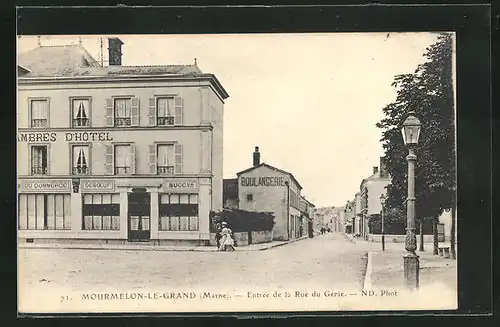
[[114, 210]]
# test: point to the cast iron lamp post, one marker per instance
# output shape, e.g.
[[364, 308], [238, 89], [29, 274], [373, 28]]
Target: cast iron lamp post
[[382, 201], [411, 131]]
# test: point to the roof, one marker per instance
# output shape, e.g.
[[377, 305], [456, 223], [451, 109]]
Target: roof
[[229, 189], [75, 61], [272, 168]]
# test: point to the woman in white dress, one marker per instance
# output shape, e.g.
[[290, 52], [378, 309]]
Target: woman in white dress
[[226, 241]]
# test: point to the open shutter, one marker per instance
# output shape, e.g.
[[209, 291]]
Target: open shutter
[[132, 159], [152, 159], [108, 169], [178, 158], [152, 112], [179, 110], [109, 113], [134, 112]]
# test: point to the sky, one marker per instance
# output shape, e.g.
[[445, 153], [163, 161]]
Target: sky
[[309, 101]]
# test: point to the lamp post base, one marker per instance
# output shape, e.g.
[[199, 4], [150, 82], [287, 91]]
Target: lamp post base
[[411, 270]]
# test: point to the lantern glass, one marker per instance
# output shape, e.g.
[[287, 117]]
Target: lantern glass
[[411, 130]]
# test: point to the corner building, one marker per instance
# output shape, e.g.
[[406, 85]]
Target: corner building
[[264, 188], [116, 153]]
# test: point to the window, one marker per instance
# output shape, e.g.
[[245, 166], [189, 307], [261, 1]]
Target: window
[[101, 212], [81, 160], [249, 197], [178, 212], [39, 113], [44, 211], [39, 162], [166, 111], [122, 160], [165, 159], [81, 112], [123, 112]]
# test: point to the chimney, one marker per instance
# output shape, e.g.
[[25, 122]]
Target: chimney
[[115, 51], [375, 169], [256, 157]]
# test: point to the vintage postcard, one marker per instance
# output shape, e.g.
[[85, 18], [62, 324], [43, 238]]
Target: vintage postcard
[[236, 172]]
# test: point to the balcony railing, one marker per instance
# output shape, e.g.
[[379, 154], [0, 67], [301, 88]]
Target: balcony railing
[[39, 123], [166, 170], [39, 170], [84, 170], [166, 121], [81, 122], [123, 121], [122, 170]]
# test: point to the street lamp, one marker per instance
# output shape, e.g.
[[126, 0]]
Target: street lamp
[[382, 201], [411, 132]]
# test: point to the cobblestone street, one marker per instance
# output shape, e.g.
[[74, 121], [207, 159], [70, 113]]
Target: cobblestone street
[[324, 262]]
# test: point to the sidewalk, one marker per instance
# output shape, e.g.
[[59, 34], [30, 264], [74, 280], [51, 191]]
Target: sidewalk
[[149, 247], [387, 269]]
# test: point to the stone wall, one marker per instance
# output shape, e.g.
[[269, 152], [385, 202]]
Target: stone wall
[[242, 238]]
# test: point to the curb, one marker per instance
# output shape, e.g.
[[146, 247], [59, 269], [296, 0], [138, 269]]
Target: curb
[[368, 275]]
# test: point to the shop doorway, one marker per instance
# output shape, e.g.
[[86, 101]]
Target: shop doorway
[[139, 216]]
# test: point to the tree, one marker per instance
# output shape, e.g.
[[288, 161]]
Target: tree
[[429, 93]]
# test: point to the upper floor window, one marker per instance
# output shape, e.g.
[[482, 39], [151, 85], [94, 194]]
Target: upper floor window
[[81, 112], [39, 162], [165, 159], [81, 160], [123, 111], [123, 162], [39, 113], [166, 111]]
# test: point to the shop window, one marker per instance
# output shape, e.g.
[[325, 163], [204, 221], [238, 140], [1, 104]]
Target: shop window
[[39, 113], [178, 212], [80, 109], [249, 197], [165, 159], [81, 160], [39, 162], [101, 212], [44, 211]]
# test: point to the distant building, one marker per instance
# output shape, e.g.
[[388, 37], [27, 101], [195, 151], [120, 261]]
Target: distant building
[[263, 187]]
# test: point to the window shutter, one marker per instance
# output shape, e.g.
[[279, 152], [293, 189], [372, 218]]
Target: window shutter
[[109, 113], [179, 110], [152, 159], [134, 115], [152, 112], [132, 159], [178, 158], [108, 169]]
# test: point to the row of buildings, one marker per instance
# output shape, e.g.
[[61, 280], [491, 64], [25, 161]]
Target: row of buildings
[[115, 154], [265, 188]]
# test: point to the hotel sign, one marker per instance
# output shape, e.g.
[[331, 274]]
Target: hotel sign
[[97, 185], [263, 181], [177, 184], [44, 185]]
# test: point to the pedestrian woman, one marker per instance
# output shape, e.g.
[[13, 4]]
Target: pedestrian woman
[[226, 242]]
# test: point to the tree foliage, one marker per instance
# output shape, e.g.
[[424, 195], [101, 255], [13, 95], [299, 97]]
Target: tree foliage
[[429, 93]]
